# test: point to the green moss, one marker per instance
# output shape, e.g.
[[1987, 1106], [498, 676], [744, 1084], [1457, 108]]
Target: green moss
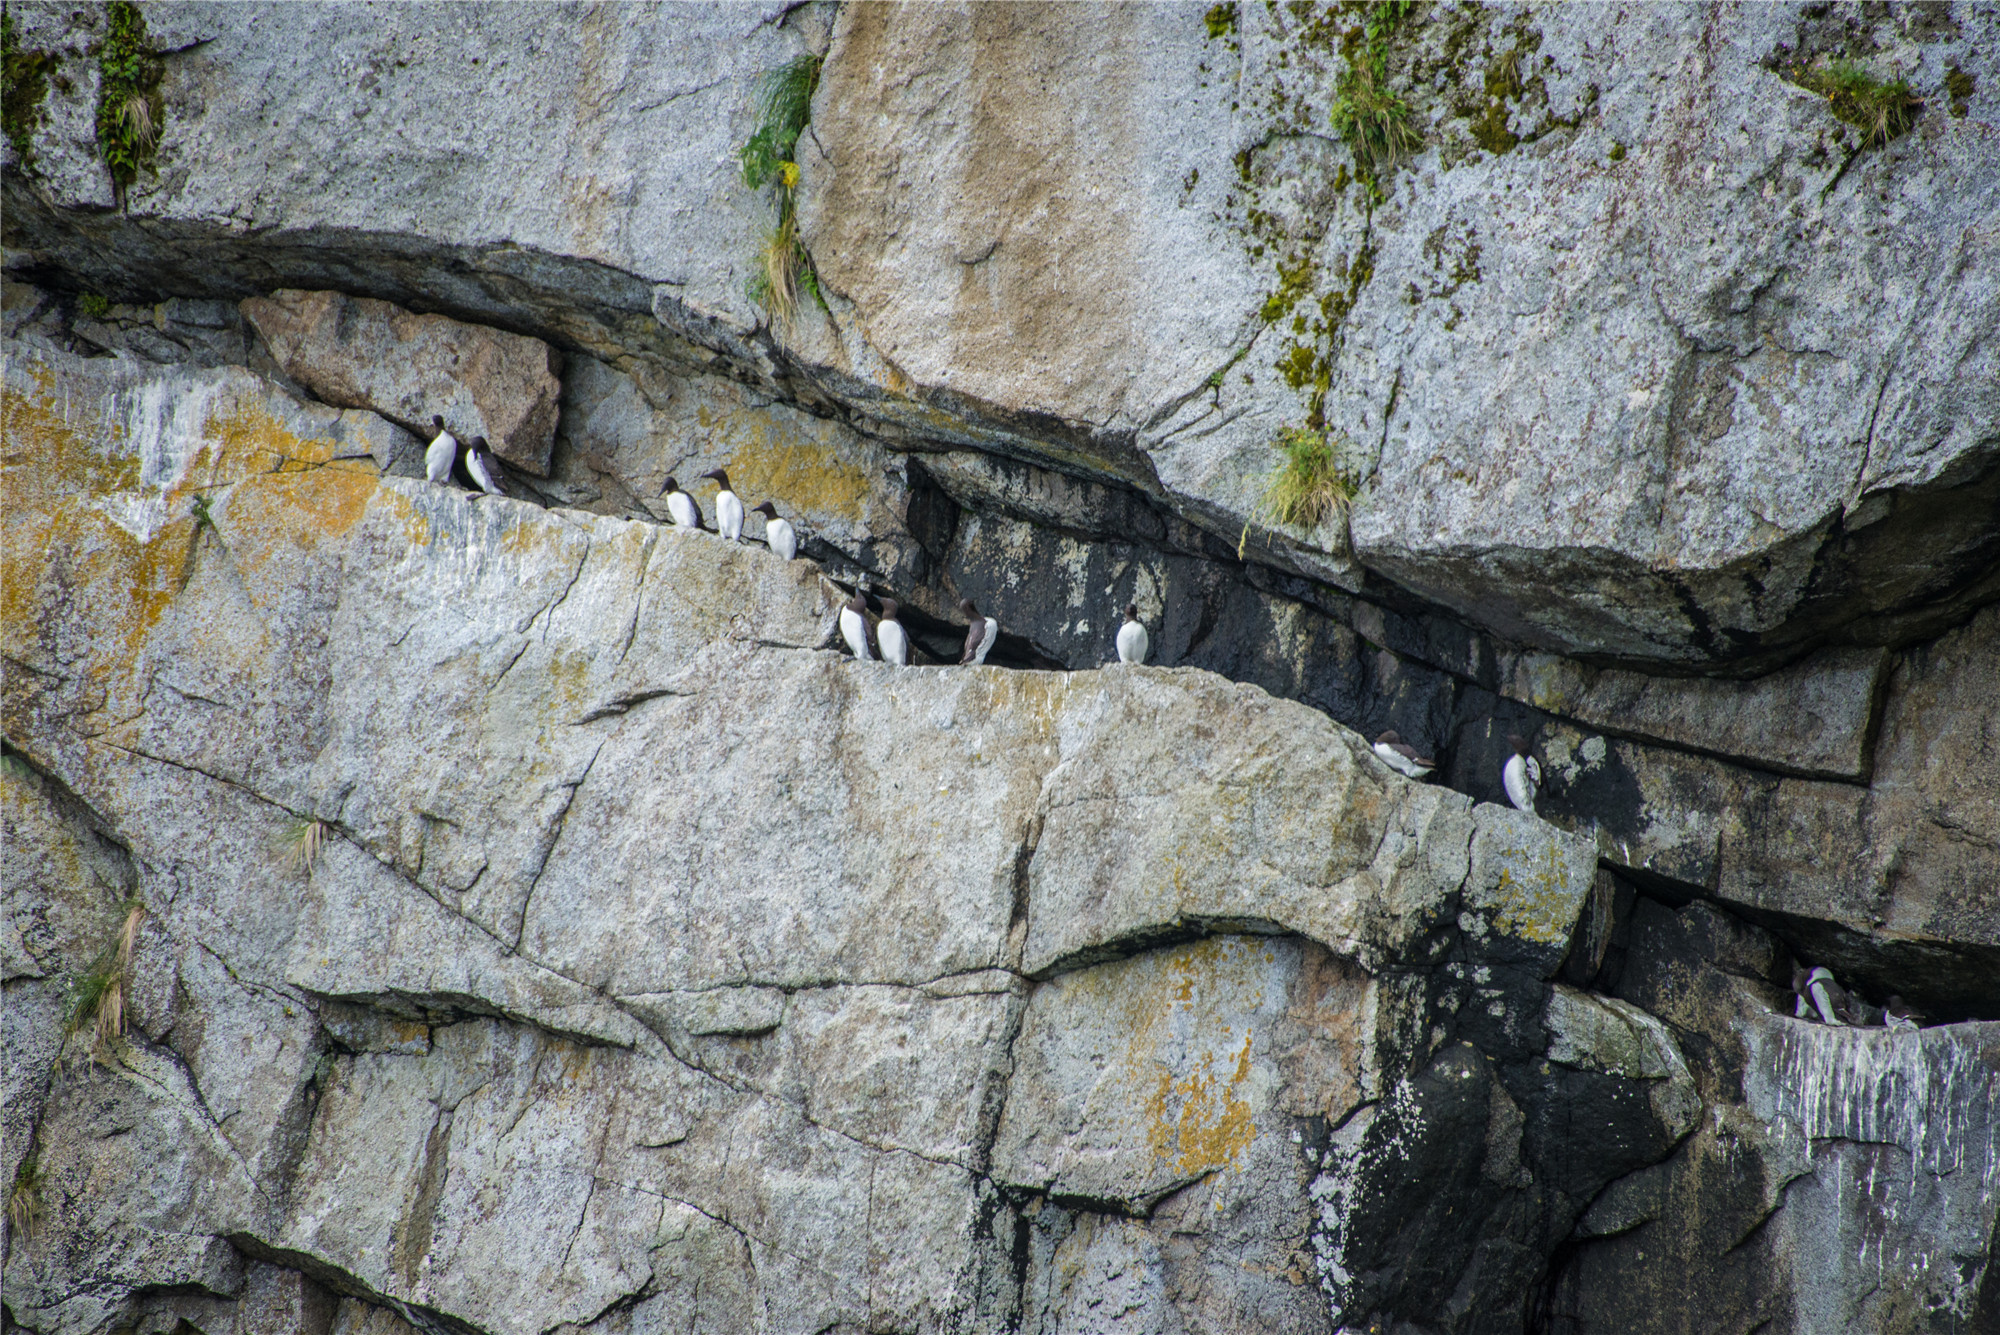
[[1881, 109], [1959, 86], [1617, 153], [94, 306], [130, 113], [1221, 20], [25, 91]]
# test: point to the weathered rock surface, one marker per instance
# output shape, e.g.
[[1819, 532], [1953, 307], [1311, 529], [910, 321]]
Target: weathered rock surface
[[546, 932], [1670, 431], [356, 353]]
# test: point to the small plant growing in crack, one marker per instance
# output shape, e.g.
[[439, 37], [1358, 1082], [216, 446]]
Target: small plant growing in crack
[[94, 306], [129, 109], [202, 518], [770, 156], [1373, 119], [24, 1201], [1881, 109], [97, 997], [301, 840], [1311, 487]]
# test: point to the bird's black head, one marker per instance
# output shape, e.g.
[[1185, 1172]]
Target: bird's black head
[[965, 606], [437, 422], [1389, 738], [889, 609], [858, 603], [479, 444], [768, 510], [671, 484], [721, 478], [1518, 742], [1131, 611]]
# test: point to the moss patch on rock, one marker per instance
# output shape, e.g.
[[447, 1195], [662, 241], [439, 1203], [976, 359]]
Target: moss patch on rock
[[26, 90]]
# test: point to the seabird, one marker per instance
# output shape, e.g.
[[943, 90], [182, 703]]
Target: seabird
[[728, 507], [443, 450], [1133, 642], [485, 469], [1400, 756], [1828, 997], [1859, 1013], [680, 506], [890, 636], [979, 635], [1802, 1006], [778, 533], [1899, 1014], [1521, 776], [854, 625]]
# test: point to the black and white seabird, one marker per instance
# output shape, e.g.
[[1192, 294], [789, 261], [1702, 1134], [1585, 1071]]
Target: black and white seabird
[[1521, 776], [1859, 1013], [485, 469], [890, 636], [443, 451], [854, 625], [728, 507], [680, 506], [980, 635], [1802, 1004], [1899, 1014], [778, 533], [1133, 642], [1400, 756], [1829, 998]]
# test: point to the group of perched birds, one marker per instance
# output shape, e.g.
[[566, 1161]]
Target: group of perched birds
[[886, 639], [442, 453], [1817, 997], [1521, 776]]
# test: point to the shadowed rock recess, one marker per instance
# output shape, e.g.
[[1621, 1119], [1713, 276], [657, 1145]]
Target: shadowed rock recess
[[538, 922]]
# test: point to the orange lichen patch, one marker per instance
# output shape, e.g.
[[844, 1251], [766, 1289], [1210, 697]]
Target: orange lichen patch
[[1196, 1121], [247, 438], [798, 468]]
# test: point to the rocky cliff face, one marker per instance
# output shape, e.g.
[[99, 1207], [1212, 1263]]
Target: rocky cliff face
[[527, 917]]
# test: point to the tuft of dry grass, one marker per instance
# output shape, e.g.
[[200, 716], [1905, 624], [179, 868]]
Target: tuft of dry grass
[[137, 116], [24, 1200], [97, 999], [302, 840], [1311, 487]]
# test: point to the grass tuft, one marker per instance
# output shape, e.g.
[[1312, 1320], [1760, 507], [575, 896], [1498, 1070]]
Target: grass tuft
[[24, 1200], [1372, 118], [783, 269], [94, 305], [302, 840], [1311, 487], [97, 997], [1881, 109]]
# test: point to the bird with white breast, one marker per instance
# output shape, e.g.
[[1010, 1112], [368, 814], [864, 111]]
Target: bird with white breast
[[728, 507], [980, 635], [1133, 642], [779, 535], [1521, 776]]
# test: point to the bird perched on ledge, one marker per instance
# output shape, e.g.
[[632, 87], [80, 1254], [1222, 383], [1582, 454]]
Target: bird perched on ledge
[[980, 635], [778, 534], [890, 636], [1820, 997], [680, 506], [1133, 642], [485, 469], [1899, 1014], [1521, 776], [440, 455], [728, 507], [1400, 756], [854, 625]]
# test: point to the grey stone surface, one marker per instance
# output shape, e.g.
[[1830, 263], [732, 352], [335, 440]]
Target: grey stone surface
[[658, 969], [1639, 410]]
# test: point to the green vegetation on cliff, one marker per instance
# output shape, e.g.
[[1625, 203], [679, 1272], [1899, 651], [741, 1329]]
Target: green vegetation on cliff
[[26, 86], [130, 113], [770, 156]]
